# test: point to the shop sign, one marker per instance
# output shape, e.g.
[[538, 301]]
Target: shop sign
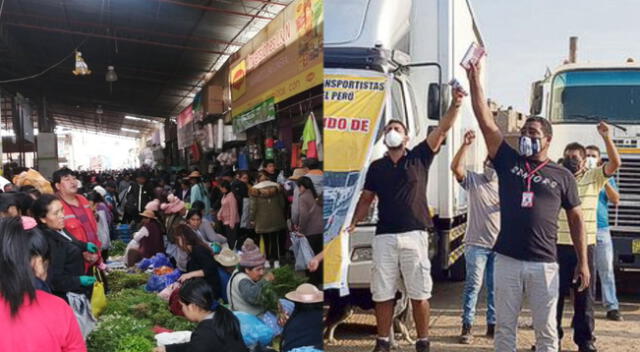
[[282, 60], [185, 127], [261, 113]]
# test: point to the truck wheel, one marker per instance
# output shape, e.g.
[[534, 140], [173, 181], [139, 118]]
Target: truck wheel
[[457, 272]]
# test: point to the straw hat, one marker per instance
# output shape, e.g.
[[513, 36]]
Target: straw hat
[[227, 258], [195, 174], [297, 173], [148, 214], [306, 293]]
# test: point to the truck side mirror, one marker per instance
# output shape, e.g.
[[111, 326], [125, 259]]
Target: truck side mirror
[[434, 101], [536, 99]]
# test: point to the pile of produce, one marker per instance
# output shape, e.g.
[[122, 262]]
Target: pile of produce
[[117, 248], [285, 280], [131, 314]]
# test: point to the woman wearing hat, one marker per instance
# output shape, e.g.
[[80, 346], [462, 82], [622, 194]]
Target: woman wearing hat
[[228, 261], [245, 285], [199, 191], [174, 212], [200, 262], [150, 235], [304, 327]]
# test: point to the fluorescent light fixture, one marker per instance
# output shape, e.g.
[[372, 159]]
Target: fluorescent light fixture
[[129, 130], [134, 118]]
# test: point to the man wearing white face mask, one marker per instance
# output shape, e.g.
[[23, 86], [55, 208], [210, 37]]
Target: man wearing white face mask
[[400, 247], [532, 191], [483, 225], [590, 183]]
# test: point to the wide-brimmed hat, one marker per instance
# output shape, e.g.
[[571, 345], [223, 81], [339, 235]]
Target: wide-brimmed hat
[[195, 174], [297, 173], [306, 293], [250, 256], [175, 205], [227, 258], [148, 214]]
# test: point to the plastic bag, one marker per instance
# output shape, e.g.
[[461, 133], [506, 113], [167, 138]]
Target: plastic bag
[[167, 291], [302, 251], [158, 283], [170, 338], [82, 310], [271, 320], [254, 331], [156, 261]]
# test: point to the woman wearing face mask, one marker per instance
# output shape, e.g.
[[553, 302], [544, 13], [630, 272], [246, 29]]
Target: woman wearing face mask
[[68, 255], [218, 329], [30, 319]]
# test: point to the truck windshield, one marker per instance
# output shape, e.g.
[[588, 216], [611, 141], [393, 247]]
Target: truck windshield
[[611, 94]]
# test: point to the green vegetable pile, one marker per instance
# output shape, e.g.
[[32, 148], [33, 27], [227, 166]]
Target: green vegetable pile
[[286, 280], [120, 280], [117, 248], [131, 313]]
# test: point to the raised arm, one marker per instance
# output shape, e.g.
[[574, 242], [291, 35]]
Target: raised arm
[[438, 135], [362, 209], [611, 166], [612, 194], [578, 236], [457, 164], [490, 131]]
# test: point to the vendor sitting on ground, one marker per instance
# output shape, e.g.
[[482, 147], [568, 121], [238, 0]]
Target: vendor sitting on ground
[[218, 329], [245, 285], [150, 235], [228, 261], [304, 327], [200, 262], [197, 224]]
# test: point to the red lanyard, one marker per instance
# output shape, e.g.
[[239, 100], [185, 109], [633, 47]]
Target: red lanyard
[[531, 173]]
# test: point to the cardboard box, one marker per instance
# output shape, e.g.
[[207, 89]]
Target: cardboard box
[[213, 100]]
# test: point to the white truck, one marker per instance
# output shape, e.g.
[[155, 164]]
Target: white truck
[[574, 97], [418, 46]]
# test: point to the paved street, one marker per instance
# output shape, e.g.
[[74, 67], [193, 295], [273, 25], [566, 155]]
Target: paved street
[[358, 332]]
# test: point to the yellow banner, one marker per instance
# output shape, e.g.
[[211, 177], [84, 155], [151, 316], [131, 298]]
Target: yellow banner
[[352, 108], [299, 83]]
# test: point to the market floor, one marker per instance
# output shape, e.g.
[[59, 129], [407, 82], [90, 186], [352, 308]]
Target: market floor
[[357, 334]]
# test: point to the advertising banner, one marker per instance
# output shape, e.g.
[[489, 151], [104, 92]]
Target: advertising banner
[[352, 109], [263, 112], [185, 127], [282, 60]]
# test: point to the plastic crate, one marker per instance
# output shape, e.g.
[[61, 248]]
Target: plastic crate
[[124, 233]]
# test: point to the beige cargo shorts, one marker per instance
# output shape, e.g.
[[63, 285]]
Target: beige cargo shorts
[[398, 258]]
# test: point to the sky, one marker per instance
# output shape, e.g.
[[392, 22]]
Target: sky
[[524, 37]]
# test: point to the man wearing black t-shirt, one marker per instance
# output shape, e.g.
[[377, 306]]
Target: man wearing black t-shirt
[[401, 245], [532, 191]]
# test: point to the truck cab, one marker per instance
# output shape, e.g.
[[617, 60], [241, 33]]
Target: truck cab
[[574, 97], [417, 45]]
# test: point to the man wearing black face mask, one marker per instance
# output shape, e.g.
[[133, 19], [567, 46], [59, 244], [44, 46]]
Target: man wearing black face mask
[[532, 191], [590, 183]]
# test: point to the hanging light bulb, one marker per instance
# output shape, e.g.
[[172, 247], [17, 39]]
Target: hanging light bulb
[[111, 75], [99, 110]]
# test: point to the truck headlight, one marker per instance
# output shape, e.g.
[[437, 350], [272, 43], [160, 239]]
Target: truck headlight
[[362, 254]]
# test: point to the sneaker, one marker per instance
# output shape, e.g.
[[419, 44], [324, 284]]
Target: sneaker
[[422, 345], [491, 330], [382, 346], [465, 336], [587, 347], [614, 315]]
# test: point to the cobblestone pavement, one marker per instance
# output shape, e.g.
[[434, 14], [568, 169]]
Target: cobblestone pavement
[[358, 333]]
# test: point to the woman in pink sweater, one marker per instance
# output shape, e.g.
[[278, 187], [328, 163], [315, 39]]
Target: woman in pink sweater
[[228, 214]]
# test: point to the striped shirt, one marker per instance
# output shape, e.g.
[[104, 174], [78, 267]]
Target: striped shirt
[[589, 186]]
